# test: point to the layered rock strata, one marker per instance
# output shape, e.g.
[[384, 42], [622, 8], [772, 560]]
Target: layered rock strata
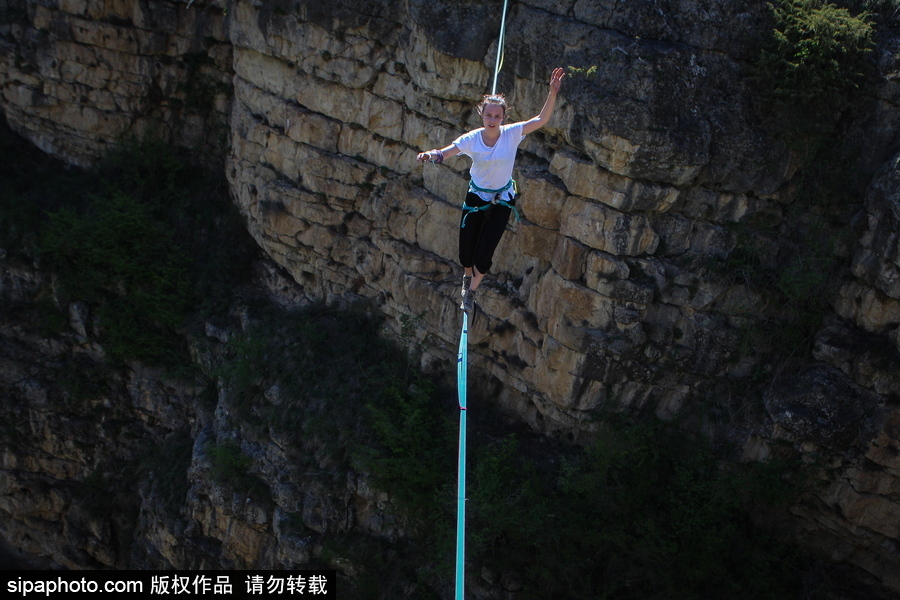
[[113, 467], [77, 77]]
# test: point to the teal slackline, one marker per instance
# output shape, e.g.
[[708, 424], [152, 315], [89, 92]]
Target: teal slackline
[[500, 43], [461, 361]]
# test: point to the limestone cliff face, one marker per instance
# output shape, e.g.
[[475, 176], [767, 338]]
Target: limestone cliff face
[[638, 173], [107, 467], [77, 75], [648, 204]]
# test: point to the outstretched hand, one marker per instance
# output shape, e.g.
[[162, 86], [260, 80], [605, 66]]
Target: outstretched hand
[[556, 79]]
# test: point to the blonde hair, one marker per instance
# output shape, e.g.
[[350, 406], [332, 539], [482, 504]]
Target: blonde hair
[[498, 99]]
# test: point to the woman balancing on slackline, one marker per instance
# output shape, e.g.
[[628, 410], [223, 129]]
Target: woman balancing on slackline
[[492, 192]]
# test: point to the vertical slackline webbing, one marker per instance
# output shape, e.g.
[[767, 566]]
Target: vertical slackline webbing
[[461, 361], [500, 43]]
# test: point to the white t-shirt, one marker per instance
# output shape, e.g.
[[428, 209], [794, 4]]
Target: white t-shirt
[[492, 167]]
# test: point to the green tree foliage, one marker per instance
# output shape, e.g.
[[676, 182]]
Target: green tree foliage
[[416, 450], [117, 256], [648, 512], [144, 239], [231, 467], [814, 60], [32, 183], [645, 512]]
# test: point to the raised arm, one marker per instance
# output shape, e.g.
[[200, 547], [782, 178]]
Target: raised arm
[[540, 120], [438, 156]]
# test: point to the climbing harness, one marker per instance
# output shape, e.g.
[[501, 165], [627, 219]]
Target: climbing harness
[[495, 201], [462, 359]]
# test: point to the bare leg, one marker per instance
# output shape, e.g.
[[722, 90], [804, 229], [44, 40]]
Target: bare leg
[[476, 279]]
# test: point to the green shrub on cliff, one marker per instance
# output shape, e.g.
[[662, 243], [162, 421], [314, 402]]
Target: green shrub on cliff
[[151, 243], [31, 183], [814, 61], [121, 259], [645, 512], [230, 467]]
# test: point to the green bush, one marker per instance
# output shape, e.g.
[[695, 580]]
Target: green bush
[[120, 258], [507, 504], [645, 512], [32, 183], [314, 374], [814, 61], [147, 240], [231, 467], [416, 453], [166, 467], [195, 205]]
